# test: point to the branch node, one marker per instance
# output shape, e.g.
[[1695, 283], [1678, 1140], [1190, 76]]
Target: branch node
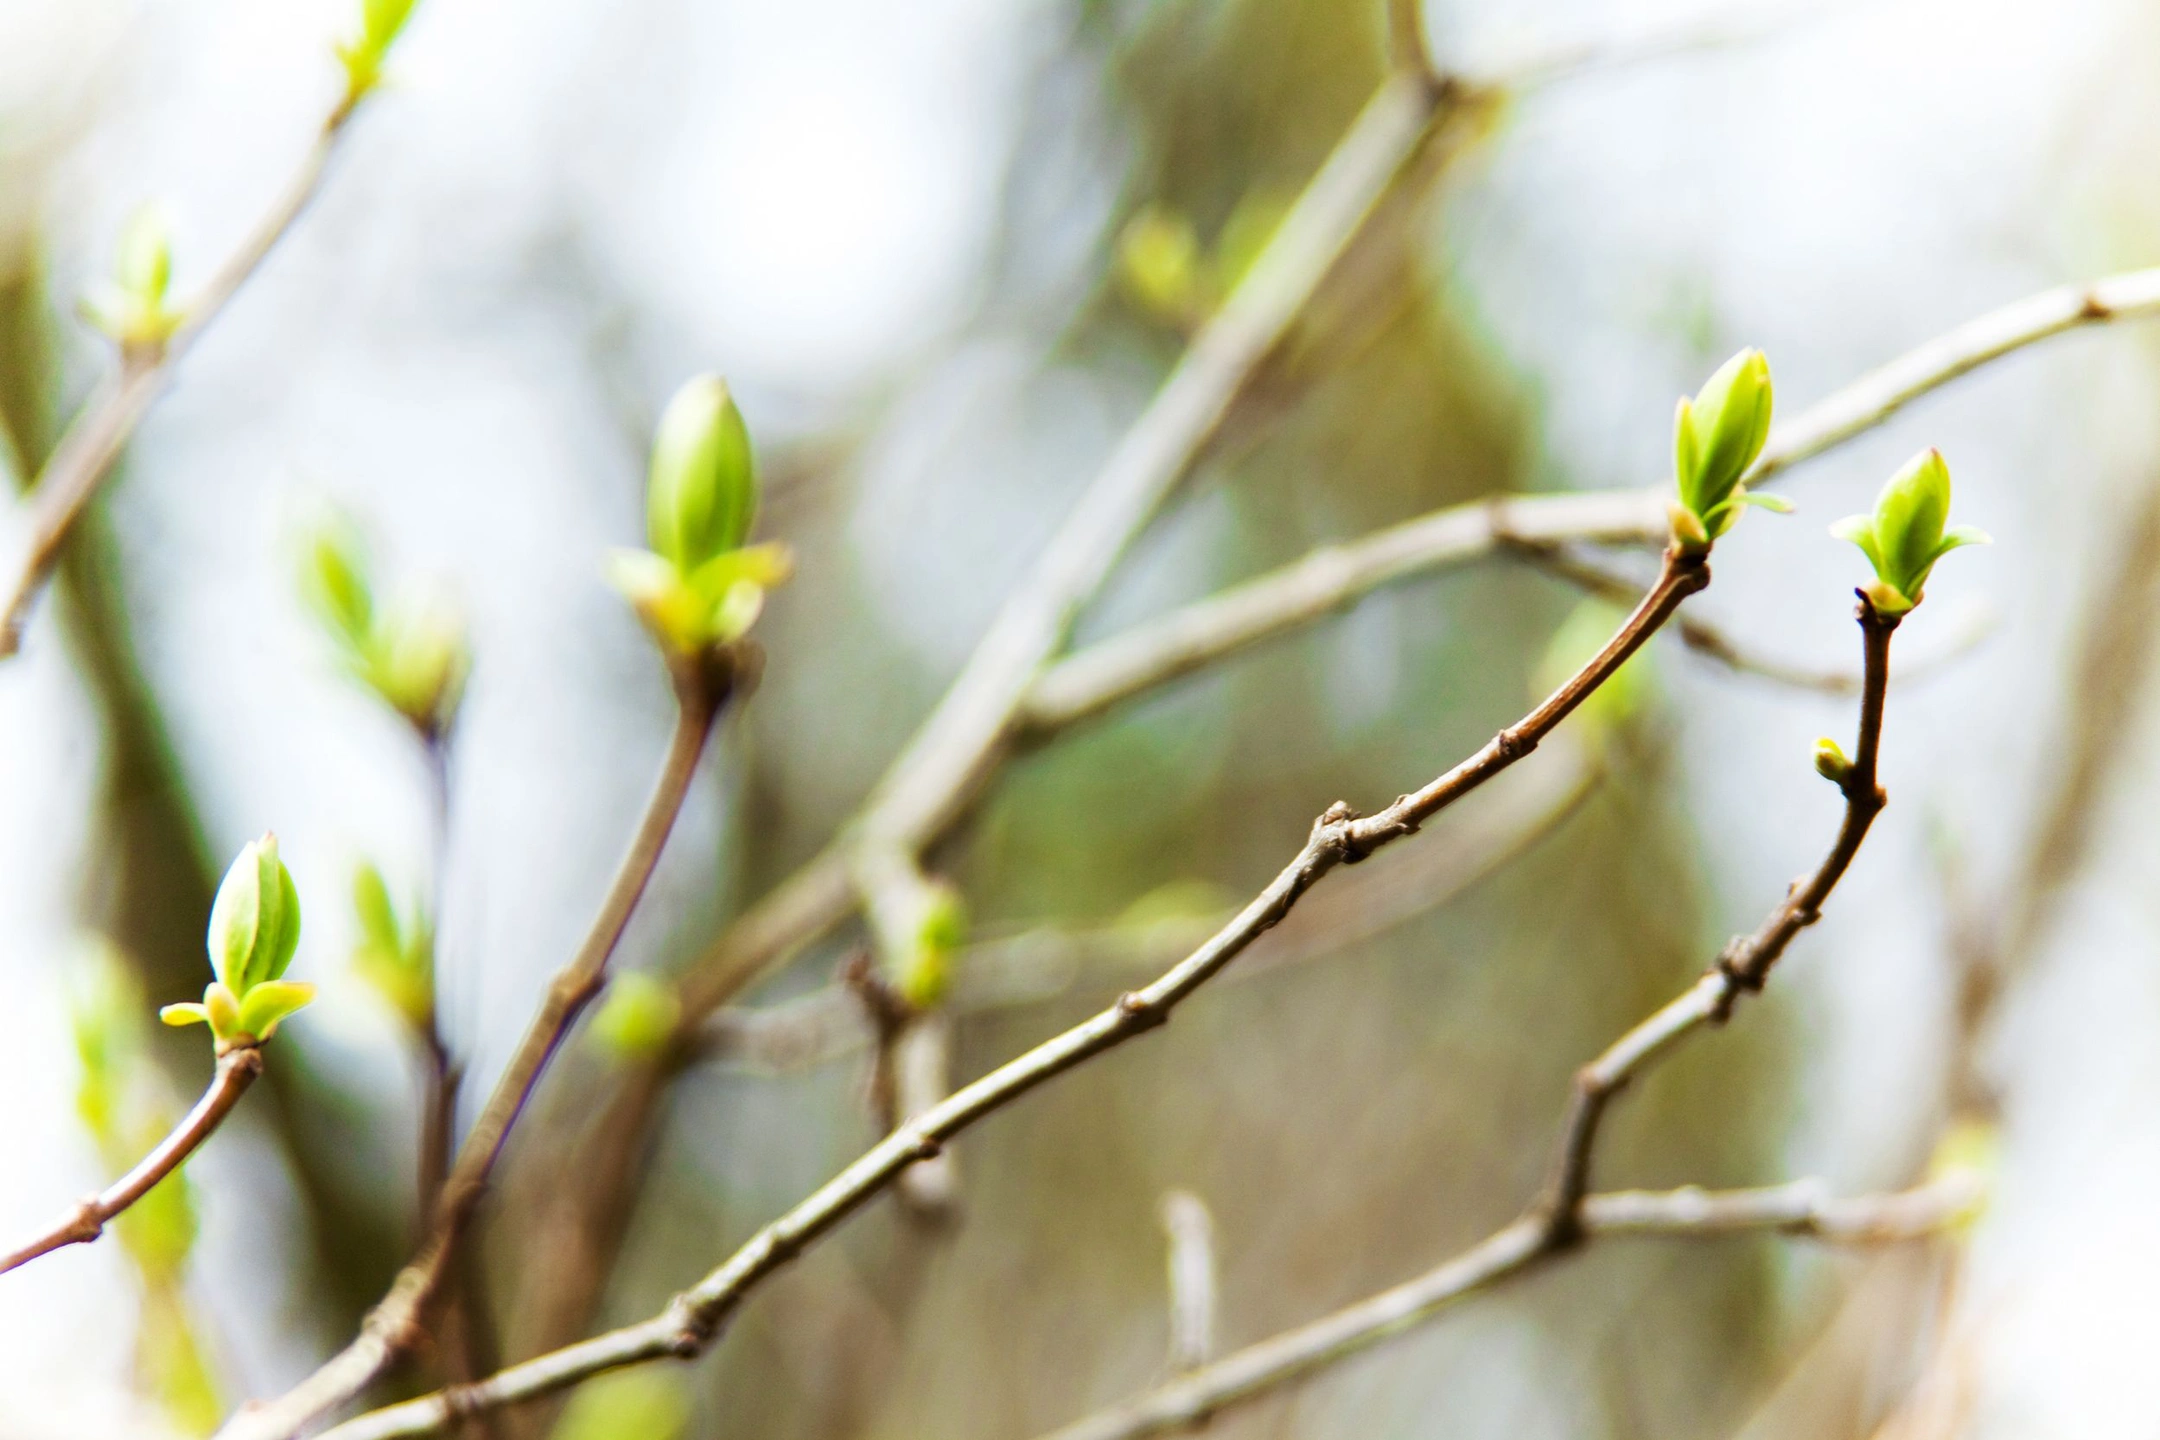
[[1137, 1014]]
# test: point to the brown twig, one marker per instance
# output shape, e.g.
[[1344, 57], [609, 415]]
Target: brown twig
[[1341, 836], [236, 1070], [1714, 645], [1037, 966], [1564, 1215], [87, 452], [395, 1324]]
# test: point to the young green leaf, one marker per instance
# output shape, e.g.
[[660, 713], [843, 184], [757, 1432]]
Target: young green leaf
[[1907, 532], [701, 498], [1716, 437]]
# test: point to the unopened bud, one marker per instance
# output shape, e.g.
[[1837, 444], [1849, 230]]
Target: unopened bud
[[702, 494]]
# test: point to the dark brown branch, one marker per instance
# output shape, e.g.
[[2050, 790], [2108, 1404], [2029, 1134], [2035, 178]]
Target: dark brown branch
[[397, 1323], [236, 1070]]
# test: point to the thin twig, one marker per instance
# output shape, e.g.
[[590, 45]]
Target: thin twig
[[694, 1318], [1970, 627], [1801, 1208], [1191, 1265], [87, 452], [236, 1070], [1562, 1216], [1482, 835], [395, 1324]]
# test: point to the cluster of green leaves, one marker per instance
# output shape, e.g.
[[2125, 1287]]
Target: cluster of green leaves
[[413, 653], [395, 953], [132, 307], [254, 933], [702, 584], [124, 1108]]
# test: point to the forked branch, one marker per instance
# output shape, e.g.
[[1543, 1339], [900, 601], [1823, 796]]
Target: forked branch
[[1566, 1215]]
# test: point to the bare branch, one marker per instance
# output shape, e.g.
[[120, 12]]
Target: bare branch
[[87, 452], [1564, 1216], [395, 1324], [236, 1070], [1197, 635], [693, 1319], [1802, 1208]]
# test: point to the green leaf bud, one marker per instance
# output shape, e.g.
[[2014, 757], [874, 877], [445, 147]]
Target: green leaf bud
[[334, 583], [1716, 437], [381, 22], [938, 930], [638, 1017], [702, 495], [255, 921], [399, 965], [1159, 261], [1906, 533], [1830, 761], [146, 259]]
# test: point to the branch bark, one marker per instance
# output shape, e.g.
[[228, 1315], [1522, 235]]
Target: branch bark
[[87, 452], [236, 1070], [694, 1318]]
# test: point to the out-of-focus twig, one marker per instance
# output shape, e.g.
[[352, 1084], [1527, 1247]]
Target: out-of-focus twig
[[694, 1318], [236, 1070], [93, 442], [1191, 1265], [1801, 1208]]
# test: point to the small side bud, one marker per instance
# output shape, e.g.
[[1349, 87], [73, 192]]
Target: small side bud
[[1830, 761], [638, 1017], [924, 970], [1160, 262], [419, 663]]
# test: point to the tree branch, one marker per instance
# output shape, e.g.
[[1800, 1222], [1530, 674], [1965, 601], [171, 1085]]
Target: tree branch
[[236, 1070], [87, 452], [1564, 1215], [396, 1324], [693, 1319], [1801, 1208]]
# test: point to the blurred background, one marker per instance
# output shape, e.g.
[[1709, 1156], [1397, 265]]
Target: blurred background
[[944, 252]]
